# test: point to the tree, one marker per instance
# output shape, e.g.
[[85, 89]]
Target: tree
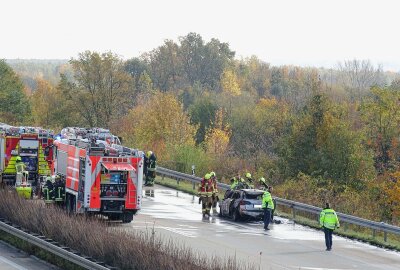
[[158, 124], [165, 66], [217, 138], [50, 108], [44, 102], [322, 143], [101, 88], [381, 114], [357, 76], [229, 83], [15, 107], [202, 112]]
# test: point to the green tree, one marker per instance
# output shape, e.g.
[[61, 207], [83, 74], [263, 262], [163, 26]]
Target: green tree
[[322, 143], [202, 112], [15, 107], [101, 90], [381, 114]]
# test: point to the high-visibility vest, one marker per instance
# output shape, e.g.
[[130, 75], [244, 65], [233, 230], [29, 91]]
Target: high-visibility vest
[[20, 167], [267, 201], [329, 219]]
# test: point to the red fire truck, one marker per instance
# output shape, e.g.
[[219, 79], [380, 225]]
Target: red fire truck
[[32, 144], [98, 180]]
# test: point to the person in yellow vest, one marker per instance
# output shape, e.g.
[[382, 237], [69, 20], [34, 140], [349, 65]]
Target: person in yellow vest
[[20, 167], [22, 186], [329, 221], [268, 206]]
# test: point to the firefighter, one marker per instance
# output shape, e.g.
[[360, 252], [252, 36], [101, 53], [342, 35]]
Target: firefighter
[[263, 183], [234, 183], [268, 206], [215, 197], [150, 161], [58, 190], [22, 186], [249, 181], [48, 191], [20, 168], [205, 193]]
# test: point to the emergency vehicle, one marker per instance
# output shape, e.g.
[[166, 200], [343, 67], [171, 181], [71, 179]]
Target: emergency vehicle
[[32, 144], [98, 179]]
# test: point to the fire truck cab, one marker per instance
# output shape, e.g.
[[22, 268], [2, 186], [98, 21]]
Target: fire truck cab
[[33, 145], [97, 179]]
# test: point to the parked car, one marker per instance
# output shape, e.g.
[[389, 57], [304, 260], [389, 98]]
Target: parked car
[[242, 204]]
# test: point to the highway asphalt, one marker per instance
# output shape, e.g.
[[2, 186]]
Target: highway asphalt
[[14, 259], [176, 215]]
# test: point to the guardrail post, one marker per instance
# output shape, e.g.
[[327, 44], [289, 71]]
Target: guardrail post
[[345, 227], [162, 178], [177, 181], [294, 213], [194, 185], [385, 237], [373, 233]]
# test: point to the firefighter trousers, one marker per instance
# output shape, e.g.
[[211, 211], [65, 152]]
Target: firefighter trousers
[[215, 200], [206, 202]]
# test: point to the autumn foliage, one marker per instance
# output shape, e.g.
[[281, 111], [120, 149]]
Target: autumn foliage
[[315, 134]]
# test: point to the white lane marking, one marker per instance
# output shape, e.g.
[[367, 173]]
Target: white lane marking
[[16, 266], [318, 268], [188, 232], [177, 231]]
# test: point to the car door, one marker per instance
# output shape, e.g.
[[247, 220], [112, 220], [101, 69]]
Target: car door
[[234, 201], [226, 202]]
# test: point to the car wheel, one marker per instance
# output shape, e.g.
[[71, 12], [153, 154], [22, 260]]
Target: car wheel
[[235, 215]]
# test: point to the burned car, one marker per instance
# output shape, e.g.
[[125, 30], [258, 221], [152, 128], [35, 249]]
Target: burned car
[[242, 204]]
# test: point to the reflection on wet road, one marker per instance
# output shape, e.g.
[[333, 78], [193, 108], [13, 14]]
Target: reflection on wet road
[[177, 215]]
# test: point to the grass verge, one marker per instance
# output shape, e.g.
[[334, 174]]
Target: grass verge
[[185, 186]]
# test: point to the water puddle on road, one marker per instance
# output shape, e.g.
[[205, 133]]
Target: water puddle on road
[[165, 203]]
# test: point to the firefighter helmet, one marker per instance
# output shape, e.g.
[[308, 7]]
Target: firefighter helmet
[[18, 159], [213, 174], [262, 180], [248, 175], [207, 176], [149, 153]]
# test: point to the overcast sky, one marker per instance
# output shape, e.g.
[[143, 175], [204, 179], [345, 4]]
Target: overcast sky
[[299, 32]]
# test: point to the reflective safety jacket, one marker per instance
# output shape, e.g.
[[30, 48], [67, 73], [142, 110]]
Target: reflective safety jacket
[[20, 167], [235, 183], [329, 219], [206, 187], [249, 182], [267, 201]]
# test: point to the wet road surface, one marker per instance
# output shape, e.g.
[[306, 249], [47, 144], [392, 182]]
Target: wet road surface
[[176, 215], [12, 258]]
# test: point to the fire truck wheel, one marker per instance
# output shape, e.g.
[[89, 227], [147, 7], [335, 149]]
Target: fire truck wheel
[[127, 217], [70, 203]]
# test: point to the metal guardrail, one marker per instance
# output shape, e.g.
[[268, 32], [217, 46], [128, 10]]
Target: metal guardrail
[[48, 245], [375, 226]]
